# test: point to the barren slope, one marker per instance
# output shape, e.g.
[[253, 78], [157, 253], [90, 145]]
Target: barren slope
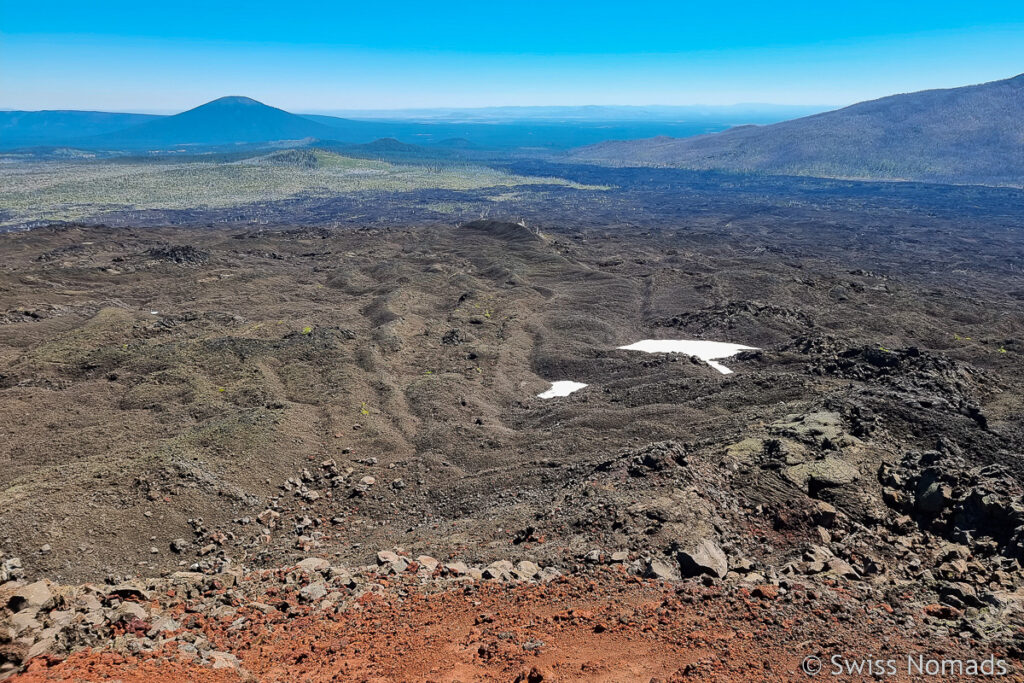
[[971, 134], [210, 400]]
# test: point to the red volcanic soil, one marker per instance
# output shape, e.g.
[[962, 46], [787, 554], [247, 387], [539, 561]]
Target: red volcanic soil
[[604, 627]]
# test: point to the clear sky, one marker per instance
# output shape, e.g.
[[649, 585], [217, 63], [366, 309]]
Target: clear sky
[[116, 55]]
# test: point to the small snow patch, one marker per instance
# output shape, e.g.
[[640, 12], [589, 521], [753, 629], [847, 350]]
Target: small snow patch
[[707, 351], [561, 388]]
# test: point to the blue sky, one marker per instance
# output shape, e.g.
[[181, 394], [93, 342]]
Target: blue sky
[[303, 56]]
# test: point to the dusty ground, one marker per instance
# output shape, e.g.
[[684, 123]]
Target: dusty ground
[[206, 399], [414, 356], [602, 626]]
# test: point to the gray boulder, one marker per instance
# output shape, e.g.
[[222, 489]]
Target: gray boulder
[[703, 559]]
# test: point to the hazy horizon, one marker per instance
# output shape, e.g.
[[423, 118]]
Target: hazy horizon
[[315, 58], [380, 112]]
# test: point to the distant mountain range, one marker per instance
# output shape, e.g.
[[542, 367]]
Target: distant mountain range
[[969, 135], [24, 128], [736, 113], [234, 121], [972, 135]]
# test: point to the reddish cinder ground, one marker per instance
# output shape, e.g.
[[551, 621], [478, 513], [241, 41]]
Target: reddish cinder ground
[[604, 628]]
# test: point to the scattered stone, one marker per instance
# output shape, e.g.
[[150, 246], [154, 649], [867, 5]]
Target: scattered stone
[[392, 561], [766, 591], [831, 471], [656, 569], [842, 568], [943, 612], [824, 514], [35, 596], [128, 611], [703, 559], [313, 564], [223, 660], [313, 591], [427, 563], [500, 570], [456, 568], [163, 624], [526, 571]]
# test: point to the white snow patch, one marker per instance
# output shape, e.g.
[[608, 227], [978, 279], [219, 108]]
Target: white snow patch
[[561, 388], [707, 351]]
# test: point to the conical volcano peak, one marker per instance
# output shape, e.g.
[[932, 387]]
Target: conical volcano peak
[[225, 120], [234, 100]]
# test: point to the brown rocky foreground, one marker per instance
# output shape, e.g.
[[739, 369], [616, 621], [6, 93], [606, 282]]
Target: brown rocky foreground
[[417, 620]]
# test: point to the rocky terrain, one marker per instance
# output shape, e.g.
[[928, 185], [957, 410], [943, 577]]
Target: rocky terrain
[[418, 619], [260, 452]]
